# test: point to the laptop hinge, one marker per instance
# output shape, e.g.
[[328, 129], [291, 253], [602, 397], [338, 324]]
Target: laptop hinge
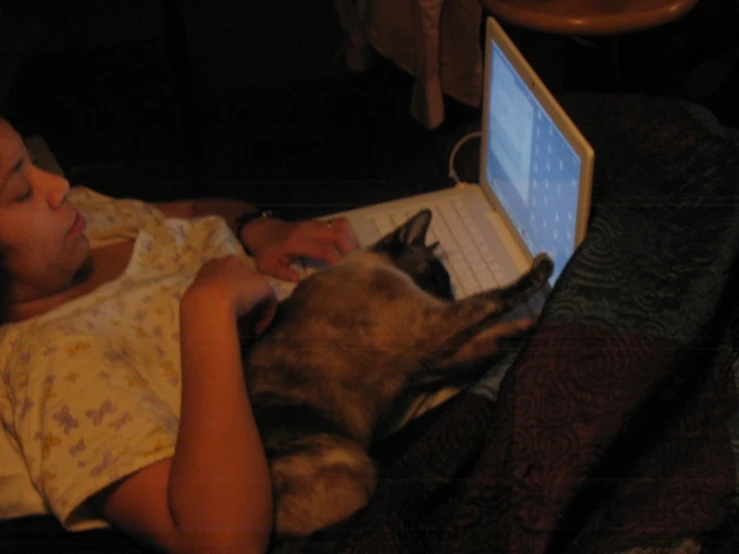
[[509, 243]]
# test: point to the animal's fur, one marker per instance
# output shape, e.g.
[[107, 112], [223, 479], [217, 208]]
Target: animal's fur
[[349, 344]]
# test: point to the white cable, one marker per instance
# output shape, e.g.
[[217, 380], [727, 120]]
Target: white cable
[[460, 142]]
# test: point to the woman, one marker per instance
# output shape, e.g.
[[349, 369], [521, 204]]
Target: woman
[[122, 384]]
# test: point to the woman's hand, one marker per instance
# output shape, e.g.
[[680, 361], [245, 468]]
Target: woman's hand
[[275, 243], [232, 283]]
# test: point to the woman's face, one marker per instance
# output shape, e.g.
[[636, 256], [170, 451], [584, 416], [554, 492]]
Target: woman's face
[[41, 234]]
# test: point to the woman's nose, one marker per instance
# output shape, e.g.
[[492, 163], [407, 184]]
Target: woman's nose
[[57, 187]]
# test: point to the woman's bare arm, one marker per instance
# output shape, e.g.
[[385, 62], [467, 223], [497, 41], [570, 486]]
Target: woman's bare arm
[[214, 495]]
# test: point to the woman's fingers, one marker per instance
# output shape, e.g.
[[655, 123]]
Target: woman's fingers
[[337, 232], [346, 240], [323, 250], [327, 241], [278, 268]]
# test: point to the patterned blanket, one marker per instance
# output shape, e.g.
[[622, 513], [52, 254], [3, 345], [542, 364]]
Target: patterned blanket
[[610, 430]]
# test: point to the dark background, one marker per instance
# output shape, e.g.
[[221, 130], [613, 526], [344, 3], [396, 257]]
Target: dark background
[[251, 98]]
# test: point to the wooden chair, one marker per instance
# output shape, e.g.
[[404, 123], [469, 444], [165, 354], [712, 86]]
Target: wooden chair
[[585, 18], [588, 17]]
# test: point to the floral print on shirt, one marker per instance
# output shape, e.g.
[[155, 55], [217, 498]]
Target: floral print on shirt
[[91, 390]]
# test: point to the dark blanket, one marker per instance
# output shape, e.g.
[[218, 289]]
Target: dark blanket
[[610, 430]]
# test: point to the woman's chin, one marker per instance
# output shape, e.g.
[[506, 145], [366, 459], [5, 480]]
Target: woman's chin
[[83, 272]]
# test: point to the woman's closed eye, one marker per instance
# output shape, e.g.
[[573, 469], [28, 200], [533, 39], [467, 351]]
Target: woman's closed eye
[[25, 196], [16, 180], [19, 172]]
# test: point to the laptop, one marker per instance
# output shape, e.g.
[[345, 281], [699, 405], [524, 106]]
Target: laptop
[[534, 188]]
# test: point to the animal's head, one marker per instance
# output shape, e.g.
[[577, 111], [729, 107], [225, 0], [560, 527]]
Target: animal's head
[[406, 248]]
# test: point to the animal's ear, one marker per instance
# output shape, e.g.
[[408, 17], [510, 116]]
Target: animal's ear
[[413, 232]]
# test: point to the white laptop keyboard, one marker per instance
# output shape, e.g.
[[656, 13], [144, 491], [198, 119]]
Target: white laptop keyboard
[[470, 262]]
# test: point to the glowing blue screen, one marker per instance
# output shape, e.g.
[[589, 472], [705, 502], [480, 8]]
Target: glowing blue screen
[[532, 168]]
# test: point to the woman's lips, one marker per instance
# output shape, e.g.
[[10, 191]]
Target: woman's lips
[[78, 226]]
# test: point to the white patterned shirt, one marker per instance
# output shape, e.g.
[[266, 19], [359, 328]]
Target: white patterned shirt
[[90, 391]]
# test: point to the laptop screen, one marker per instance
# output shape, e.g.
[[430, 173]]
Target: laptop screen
[[531, 167]]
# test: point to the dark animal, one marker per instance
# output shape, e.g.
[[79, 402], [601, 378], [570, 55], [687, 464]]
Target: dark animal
[[351, 343]]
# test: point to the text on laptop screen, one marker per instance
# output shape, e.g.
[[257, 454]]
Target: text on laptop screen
[[531, 167]]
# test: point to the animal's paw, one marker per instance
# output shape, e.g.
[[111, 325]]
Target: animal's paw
[[542, 266]]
